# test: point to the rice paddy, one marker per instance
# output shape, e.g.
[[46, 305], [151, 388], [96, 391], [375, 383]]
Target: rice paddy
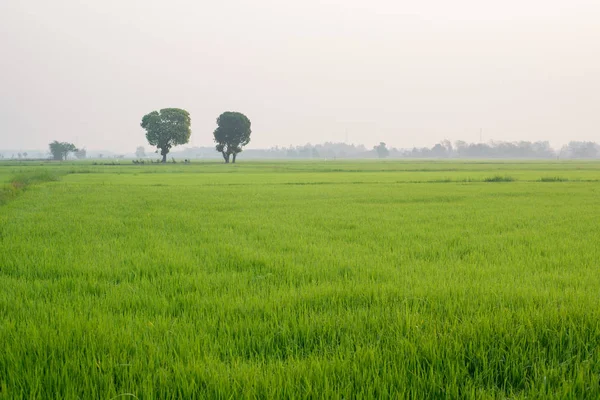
[[329, 280]]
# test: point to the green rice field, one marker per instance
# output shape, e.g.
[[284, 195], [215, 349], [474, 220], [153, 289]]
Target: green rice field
[[294, 280]]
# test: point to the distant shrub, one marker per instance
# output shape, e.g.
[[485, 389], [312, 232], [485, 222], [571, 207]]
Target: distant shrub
[[442, 180], [499, 178], [553, 179]]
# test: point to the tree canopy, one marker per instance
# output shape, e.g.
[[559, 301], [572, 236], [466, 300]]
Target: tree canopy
[[140, 152], [60, 150], [232, 133], [167, 128], [81, 154], [381, 150]]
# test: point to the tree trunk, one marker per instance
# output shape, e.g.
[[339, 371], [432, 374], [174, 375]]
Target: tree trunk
[[164, 160], [225, 157], [234, 155]]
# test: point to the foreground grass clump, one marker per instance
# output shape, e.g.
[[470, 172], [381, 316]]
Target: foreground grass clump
[[19, 182], [499, 178], [290, 280], [553, 179]]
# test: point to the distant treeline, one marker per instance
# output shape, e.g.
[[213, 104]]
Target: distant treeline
[[329, 150], [442, 150], [522, 149]]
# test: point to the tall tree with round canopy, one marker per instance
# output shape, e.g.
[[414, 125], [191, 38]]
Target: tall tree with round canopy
[[167, 128], [232, 133]]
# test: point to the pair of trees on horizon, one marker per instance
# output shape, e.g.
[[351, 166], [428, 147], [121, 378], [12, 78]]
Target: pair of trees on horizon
[[172, 127], [61, 150]]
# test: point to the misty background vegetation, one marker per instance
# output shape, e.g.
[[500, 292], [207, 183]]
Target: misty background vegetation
[[443, 150]]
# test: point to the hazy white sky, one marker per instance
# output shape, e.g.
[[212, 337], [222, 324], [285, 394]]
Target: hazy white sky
[[409, 73]]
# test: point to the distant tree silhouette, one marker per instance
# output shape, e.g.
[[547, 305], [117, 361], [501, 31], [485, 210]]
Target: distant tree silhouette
[[140, 152], [81, 154], [381, 150]]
